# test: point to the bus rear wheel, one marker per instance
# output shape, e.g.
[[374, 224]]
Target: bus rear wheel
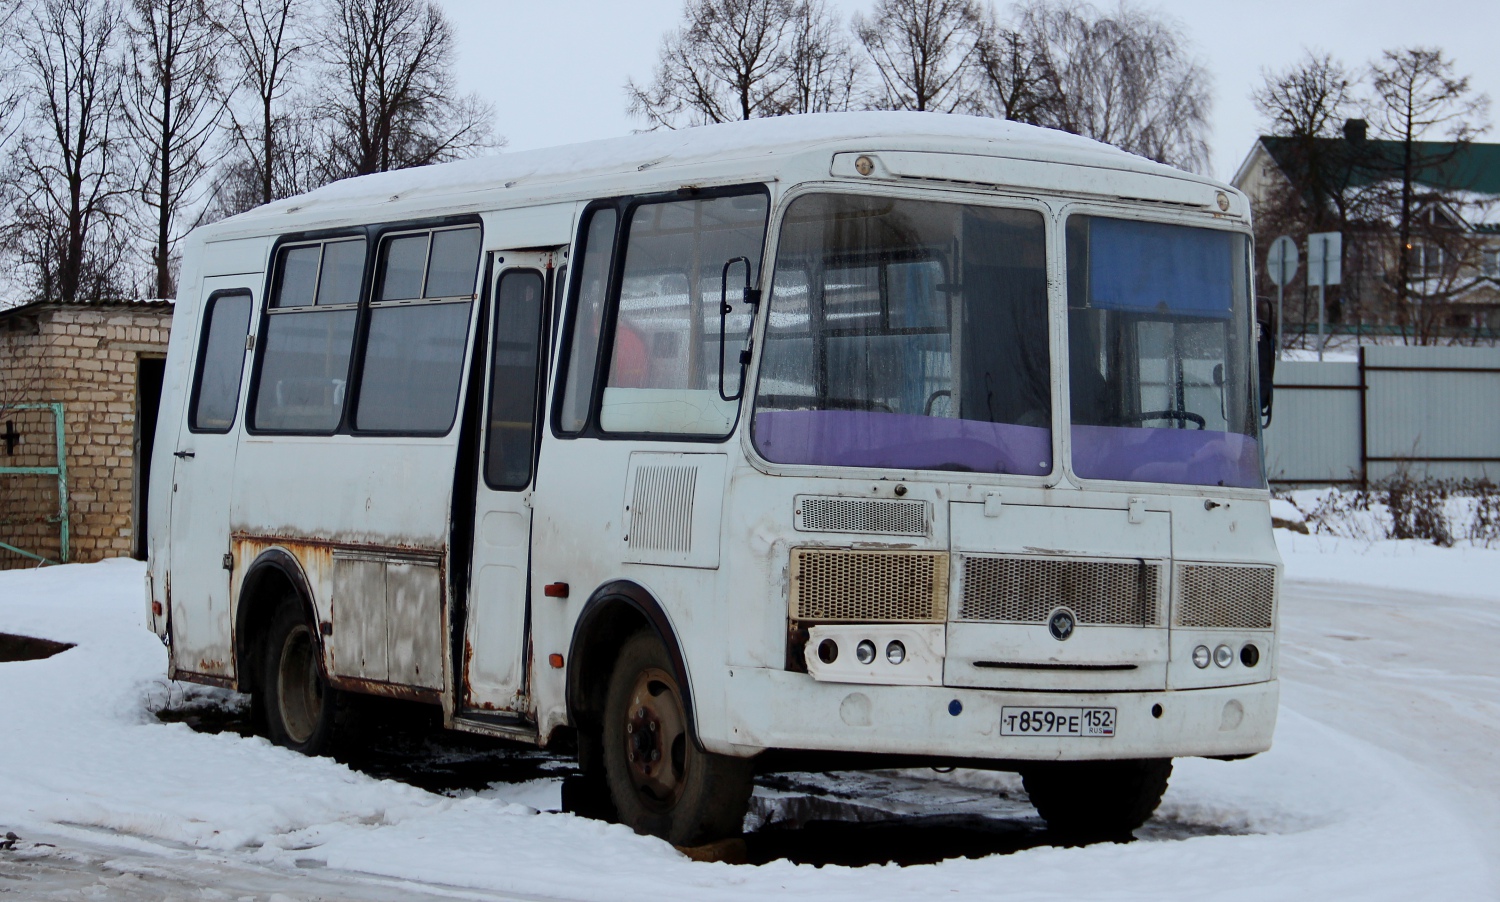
[[301, 709], [661, 783], [1097, 800]]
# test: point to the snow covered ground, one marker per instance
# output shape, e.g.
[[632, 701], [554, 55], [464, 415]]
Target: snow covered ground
[[1384, 782]]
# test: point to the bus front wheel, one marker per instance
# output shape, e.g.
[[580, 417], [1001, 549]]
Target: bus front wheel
[[661, 783], [300, 707], [1097, 800]]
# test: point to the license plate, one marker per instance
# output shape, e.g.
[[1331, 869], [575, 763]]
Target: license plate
[[1088, 722]]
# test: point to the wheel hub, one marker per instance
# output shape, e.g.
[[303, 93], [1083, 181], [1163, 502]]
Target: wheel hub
[[656, 738]]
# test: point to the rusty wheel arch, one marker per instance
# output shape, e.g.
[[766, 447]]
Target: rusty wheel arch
[[616, 611], [257, 601]]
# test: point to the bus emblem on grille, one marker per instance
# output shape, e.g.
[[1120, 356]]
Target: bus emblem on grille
[[1061, 624]]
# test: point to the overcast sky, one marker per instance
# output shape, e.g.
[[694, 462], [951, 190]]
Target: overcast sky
[[555, 70]]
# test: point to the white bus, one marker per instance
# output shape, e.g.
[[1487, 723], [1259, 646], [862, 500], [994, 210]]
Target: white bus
[[818, 442]]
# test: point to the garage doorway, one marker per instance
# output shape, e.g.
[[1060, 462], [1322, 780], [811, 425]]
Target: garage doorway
[[149, 373]]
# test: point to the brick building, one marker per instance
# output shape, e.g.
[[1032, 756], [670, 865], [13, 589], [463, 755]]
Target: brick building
[[103, 362]]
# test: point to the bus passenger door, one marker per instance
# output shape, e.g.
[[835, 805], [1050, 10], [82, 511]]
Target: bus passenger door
[[496, 658], [198, 582]]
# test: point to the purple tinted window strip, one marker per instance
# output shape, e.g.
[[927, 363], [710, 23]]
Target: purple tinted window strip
[[857, 438], [1177, 456]]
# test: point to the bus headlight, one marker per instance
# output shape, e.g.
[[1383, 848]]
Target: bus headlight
[[895, 652], [865, 651], [1223, 656], [1201, 657]]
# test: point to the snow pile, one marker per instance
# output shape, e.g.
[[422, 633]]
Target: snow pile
[[1324, 815]]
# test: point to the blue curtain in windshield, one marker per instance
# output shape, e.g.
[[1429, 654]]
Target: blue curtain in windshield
[[1146, 267]]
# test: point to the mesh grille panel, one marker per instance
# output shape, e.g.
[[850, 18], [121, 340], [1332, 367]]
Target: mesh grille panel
[[902, 518], [1028, 590], [1215, 597], [869, 586]]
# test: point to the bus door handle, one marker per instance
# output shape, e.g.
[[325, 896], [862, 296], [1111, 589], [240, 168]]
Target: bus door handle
[[183, 454]]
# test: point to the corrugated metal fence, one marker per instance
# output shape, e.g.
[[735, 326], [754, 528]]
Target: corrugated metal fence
[[1433, 413]]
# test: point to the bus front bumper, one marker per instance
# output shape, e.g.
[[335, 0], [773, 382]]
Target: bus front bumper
[[775, 709]]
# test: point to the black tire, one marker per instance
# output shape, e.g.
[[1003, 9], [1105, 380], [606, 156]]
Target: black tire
[[1097, 800], [662, 784], [301, 709], [586, 793]]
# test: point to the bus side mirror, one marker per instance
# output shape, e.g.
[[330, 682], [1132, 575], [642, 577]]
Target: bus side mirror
[[1265, 347], [750, 296]]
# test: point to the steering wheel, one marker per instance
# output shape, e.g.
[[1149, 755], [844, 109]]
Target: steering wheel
[[1183, 416]]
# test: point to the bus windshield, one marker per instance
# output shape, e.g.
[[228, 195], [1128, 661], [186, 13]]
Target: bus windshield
[[1159, 342], [907, 334]]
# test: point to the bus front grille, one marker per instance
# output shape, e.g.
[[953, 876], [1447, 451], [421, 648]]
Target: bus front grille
[[897, 518], [1029, 589], [833, 585], [1213, 596]]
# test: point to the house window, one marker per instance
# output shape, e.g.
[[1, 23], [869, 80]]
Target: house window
[[1489, 262], [1426, 261]]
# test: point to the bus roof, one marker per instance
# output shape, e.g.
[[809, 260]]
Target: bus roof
[[511, 179]]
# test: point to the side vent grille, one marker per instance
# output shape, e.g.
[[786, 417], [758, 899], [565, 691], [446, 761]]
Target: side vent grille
[[661, 512], [894, 518], [1028, 590], [1218, 597], [869, 586]]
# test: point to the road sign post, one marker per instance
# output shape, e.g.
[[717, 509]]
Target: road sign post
[[1281, 265], [1325, 253]]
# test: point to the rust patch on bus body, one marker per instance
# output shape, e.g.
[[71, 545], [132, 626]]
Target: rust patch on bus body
[[387, 690], [316, 557]]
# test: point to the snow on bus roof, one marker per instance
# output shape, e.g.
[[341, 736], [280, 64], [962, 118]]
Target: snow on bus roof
[[781, 135]]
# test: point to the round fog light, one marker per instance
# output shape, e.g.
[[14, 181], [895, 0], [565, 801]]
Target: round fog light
[[1201, 657], [865, 651], [1249, 655], [895, 652], [828, 651], [1223, 656]]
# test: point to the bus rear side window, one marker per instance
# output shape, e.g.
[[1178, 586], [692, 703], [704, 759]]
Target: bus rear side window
[[418, 332], [221, 362], [309, 334]]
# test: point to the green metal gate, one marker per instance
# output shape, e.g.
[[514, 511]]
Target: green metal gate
[[59, 470]]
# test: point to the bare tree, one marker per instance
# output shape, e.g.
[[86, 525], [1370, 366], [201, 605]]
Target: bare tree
[[389, 101], [172, 104], [1125, 78], [1309, 99], [728, 61], [1304, 108], [1015, 75], [1417, 94], [68, 164], [825, 71], [267, 41], [926, 52]]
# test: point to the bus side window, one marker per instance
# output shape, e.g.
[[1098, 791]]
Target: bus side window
[[513, 380], [309, 335], [664, 370], [587, 317], [418, 332], [221, 362]]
